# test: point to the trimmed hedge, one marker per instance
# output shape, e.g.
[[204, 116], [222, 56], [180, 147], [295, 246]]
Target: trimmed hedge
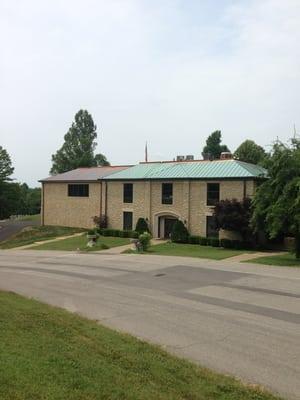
[[203, 241], [214, 242], [118, 233], [194, 239]]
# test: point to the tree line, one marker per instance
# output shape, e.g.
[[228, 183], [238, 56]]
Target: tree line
[[15, 198]]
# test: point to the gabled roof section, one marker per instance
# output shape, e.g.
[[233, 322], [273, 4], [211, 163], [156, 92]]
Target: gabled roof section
[[218, 169], [92, 174]]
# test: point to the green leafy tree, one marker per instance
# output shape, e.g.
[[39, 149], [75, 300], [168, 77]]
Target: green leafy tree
[[6, 168], [276, 205], [250, 152], [234, 215], [213, 147], [79, 146]]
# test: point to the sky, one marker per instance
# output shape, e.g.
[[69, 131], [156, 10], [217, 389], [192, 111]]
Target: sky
[[168, 72]]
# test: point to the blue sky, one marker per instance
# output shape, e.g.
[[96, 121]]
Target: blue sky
[[169, 72]]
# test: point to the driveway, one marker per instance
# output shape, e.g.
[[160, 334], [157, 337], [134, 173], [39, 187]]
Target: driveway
[[240, 319], [9, 228]]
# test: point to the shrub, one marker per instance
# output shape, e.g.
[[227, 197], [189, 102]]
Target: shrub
[[133, 234], [104, 246], [100, 221], [145, 239], [194, 239], [92, 232], [142, 226], [247, 245], [179, 233], [106, 232], [214, 242], [204, 241], [226, 243], [125, 234], [237, 244]]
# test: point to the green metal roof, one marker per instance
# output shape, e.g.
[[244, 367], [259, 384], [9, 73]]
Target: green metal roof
[[225, 169]]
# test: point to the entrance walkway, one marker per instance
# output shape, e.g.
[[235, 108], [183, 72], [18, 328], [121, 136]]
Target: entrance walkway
[[251, 256], [121, 249]]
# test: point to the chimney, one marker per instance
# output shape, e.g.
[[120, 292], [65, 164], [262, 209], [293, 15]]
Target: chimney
[[226, 155], [189, 157], [208, 157]]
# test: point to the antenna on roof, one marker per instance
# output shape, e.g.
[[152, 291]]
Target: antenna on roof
[[146, 152]]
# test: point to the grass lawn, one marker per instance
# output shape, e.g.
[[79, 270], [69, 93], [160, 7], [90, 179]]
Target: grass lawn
[[35, 217], [37, 233], [80, 242], [194, 250], [284, 260], [48, 353]]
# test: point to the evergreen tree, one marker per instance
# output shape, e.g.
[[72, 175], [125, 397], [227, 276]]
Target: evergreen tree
[[79, 146], [141, 226], [179, 232], [213, 147]]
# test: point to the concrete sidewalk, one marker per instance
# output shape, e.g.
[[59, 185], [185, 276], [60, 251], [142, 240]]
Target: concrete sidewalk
[[252, 256]]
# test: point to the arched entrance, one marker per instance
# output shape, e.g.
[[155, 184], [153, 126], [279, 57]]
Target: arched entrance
[[163, 224]]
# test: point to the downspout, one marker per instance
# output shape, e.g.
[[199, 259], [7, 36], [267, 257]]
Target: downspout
[[105, 199], [43, 205], [100, 212]]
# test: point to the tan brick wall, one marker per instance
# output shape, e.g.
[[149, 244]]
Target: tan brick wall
[[115, 206], [60, 209], [189, 202]]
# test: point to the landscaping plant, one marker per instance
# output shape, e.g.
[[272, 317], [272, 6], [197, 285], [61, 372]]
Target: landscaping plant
[[142, 226], [145, 239], [179, 233]]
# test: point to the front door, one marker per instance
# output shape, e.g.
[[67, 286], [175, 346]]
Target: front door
[[169, 223]]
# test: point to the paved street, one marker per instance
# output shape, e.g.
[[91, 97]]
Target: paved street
[[241, 319], [9, 228]]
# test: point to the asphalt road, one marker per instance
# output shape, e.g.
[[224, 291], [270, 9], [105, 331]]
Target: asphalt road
[[240, 319], [9, 228]]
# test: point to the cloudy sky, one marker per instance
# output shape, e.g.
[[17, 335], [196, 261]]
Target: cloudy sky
[[166, 71]]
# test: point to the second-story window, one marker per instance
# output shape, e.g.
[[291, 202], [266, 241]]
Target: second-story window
[[78, 190], [127, 193], [167, 193], [213, 193]]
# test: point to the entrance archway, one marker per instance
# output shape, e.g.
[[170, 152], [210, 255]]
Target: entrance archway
[[163, 224]]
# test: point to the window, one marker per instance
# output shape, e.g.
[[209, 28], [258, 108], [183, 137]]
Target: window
[[127, 221], [78, 190], [167, 193], [127, 192], [211, 230], [213, 193]]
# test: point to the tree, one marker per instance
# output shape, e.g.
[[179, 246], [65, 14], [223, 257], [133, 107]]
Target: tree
[[141, 226], [213, 147], [276, 205], [250, 152], [79, 146], [179, 232], [6, 168], [234, 215]]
